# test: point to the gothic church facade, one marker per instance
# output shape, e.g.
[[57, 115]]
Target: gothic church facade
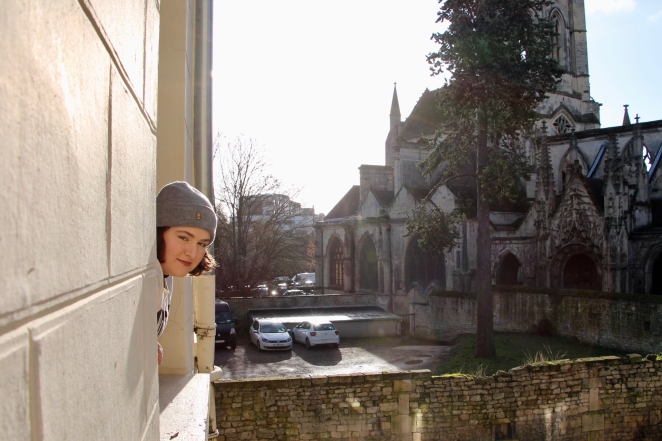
[[592, 216]]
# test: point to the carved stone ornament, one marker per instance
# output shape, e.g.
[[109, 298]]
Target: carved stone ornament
[[577, 219]]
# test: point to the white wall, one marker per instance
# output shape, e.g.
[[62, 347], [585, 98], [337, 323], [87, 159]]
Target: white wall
[[78, 82]]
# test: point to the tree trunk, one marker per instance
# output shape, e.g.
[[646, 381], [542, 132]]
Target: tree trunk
[[485, 319]]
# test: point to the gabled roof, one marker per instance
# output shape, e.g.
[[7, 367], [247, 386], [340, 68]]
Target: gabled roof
[[347, 206], [594, 189], [384, 197]]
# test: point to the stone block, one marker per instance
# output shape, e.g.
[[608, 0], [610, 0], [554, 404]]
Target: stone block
[[403, 386], [401, 425], [594, 399], [588, 383], [123, 22], [54, 131], [403, 404], [593, 421], [15, 403], [133, 184], [85, 365]]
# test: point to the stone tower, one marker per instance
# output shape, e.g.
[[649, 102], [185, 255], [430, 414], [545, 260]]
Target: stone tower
[[571, 107]]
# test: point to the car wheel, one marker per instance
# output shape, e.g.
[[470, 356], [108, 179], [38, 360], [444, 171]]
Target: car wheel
[[233, 347], [335, 345], [307, 343], [259, 346]]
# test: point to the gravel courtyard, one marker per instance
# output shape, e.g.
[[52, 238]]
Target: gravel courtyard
[[365, 355]]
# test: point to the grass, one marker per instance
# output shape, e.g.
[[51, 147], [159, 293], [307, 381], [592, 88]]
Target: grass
[[515, 350]]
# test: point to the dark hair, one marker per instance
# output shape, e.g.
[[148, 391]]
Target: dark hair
[[206, 264]]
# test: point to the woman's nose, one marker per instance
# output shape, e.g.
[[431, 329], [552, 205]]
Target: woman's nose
[[190, 249]]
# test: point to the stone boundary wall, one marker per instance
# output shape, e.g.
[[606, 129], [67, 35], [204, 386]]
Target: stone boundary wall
[[241, 305], [605, 399], [622, 321]]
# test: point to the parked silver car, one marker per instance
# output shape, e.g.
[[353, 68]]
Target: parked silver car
[[313, 334]]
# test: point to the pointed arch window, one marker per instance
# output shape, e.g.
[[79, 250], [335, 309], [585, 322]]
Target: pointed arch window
[[556, 39], [630, 156], [336, 264], [562, 125], [648, 158], [510, 271], [368, 272], [422, 268]]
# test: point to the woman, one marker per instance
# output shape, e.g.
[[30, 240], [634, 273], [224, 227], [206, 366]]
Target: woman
[[185, 227]]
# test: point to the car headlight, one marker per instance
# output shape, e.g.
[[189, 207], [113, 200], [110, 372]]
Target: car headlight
[[289, 339], [233, 332], [264, 340]]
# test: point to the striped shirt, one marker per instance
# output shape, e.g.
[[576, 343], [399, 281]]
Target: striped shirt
[[164, 310]]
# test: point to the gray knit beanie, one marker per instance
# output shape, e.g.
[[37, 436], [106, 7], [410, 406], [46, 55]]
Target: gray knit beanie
[[180, 205]]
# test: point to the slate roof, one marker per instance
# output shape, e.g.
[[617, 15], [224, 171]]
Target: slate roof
[[424, 118], [463, 191], [347, 206], [418, 193]]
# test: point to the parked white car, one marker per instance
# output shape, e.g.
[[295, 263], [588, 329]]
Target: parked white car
[[270, 335], [313, 334]]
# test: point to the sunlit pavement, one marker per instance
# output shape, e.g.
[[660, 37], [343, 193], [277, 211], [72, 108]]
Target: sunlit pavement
[[355, 355]]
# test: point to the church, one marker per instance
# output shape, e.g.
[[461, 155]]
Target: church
[[591, 217]]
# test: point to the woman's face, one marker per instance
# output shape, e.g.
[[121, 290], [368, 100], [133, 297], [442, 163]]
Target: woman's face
[[184, 249]]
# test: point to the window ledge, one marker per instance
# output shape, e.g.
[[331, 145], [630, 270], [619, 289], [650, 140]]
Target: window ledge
[[184, 404]]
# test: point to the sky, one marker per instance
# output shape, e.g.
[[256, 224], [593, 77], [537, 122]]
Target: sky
[[312, 81]]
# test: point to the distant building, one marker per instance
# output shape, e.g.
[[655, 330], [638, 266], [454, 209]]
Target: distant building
[[268, 205], [592, 217]]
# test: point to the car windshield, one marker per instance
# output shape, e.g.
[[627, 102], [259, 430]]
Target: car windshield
[[324, 327], [272, 328], [223, 317]]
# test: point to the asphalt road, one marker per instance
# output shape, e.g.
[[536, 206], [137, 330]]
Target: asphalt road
[[365, 355]]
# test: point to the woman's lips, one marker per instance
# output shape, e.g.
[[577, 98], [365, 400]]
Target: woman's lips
[[184, 262]]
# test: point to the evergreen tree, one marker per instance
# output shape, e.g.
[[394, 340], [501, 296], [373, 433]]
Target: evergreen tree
[[499, 57]]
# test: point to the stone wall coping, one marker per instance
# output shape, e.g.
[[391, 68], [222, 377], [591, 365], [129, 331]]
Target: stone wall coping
[[425, 375]]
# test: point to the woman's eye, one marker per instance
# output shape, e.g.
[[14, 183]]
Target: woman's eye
[[183, 237]]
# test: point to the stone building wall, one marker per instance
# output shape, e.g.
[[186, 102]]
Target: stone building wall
[[602, 399], [78, 99], [621, 321]]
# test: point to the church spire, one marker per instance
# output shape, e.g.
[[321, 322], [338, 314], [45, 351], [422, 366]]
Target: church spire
[[395, 105], [626, 116], [394, 130]]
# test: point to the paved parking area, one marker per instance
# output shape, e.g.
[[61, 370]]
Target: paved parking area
[[365, 355]]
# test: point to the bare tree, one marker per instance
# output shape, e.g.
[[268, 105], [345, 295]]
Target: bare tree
[[262, 232]]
